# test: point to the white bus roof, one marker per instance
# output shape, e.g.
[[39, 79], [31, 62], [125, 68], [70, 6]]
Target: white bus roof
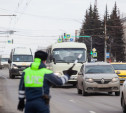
[[69, 45]]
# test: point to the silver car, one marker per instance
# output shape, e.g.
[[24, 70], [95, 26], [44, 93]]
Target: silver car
[[97, 77], [123, 97]]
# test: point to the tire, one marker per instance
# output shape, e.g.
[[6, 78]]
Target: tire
[[109, 93], [117, 93], [11, 76], [123, 104], [75, 85], [84, 93]]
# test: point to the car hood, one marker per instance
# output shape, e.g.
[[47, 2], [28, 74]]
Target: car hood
[[100, 76]]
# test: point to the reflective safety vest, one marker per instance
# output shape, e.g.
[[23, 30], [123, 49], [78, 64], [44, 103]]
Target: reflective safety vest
[[35, 78]]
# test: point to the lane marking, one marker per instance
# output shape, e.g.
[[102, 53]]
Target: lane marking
[[72, 101], [92, 112]]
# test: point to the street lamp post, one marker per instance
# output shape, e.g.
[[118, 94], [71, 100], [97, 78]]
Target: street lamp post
[[105, 46]]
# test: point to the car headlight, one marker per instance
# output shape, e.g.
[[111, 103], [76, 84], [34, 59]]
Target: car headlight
[[15, 67], [89, 80], [58, 73], [115, 79]]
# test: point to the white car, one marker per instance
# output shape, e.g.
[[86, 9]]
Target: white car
[[123, 97], [97, 77]]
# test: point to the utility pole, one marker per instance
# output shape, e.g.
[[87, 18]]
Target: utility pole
[[105, 46], [91, 48]]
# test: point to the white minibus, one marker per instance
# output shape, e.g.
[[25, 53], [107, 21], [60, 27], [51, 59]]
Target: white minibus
[[62, 56]]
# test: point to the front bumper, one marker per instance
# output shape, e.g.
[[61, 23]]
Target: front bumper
[[95, 87], [73, 79], [16, 72]]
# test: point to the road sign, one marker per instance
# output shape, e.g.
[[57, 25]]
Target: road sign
[[59, 40], [107, 55], [94, 54], [9, 41], [67, 35], [93, 49], [71, 39]]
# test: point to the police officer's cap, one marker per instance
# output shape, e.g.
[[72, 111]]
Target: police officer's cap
[[41, 54]]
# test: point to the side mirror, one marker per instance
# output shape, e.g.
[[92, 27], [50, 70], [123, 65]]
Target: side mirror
[[54, 60], [9, 61], [80, 73], [118, 72], [51, 58]]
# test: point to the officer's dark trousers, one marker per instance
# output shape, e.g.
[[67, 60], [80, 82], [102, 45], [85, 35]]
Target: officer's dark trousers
[[36, 106]]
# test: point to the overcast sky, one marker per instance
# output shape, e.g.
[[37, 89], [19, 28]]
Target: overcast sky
[[40, 22]]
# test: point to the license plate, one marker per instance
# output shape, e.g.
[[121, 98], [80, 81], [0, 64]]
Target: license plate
[[122, 78], [20, 72]]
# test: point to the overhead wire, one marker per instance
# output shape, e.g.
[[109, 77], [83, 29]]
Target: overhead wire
[[24, 9]]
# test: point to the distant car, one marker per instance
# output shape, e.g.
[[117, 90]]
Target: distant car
[[97, 77], [4, 62], [120, 68]]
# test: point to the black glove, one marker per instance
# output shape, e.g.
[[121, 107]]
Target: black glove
[[70, 72], [21, 105]]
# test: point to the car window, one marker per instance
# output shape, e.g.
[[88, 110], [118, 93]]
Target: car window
[[119, 66], [91, 69]]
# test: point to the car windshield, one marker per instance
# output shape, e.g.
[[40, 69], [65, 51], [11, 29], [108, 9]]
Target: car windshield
[[4, 59], [119, 66], [68, 55], [22, 58], [91, 69]]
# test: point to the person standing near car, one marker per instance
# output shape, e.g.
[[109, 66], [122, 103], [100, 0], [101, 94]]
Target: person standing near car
[[34, 87]]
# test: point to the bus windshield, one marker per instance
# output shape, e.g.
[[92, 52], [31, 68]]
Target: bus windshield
[[22, 58], [69, 55], [4, 59]]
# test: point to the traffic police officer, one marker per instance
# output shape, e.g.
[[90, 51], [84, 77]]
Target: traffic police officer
[[35, 85]]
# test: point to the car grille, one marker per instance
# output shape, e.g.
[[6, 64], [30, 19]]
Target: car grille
[[22, 67], [106, 81], [103, 89], [122, 75]]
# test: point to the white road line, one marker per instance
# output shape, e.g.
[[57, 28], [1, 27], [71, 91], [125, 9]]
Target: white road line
[[72, 101], [92, 112]]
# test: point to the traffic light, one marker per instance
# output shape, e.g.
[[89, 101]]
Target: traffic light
[[64, 35], [91, 53]]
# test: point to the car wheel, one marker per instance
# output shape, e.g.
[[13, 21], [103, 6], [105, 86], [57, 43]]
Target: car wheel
[[11, 76], [117, 93], [109, 93], [84, 93], [75, 85], [123, 104]]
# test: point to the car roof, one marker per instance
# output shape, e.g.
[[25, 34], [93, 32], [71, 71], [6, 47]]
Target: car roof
[[118, 62], [98, 63]]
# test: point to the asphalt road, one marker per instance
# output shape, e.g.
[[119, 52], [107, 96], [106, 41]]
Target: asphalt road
[[64, 100]]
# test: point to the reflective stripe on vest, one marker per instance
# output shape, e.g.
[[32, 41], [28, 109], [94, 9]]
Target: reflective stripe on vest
[[35, 78]]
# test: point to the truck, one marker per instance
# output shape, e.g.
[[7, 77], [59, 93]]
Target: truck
[[20, 59], [4, 60]]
